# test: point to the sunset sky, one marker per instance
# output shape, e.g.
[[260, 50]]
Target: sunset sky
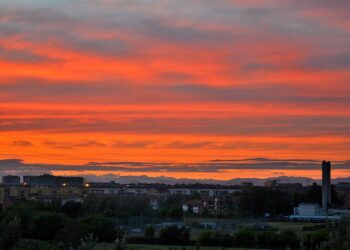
[[182, 88]]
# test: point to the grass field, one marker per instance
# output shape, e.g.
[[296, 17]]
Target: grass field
[[159, 247]]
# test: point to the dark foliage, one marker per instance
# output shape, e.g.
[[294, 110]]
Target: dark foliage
[[100, 227], [72, 209], [216, 239], [257, 202], [173, 235]]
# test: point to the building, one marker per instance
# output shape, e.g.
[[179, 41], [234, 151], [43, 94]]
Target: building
[[203, 192], [195, 207], [53, 181], [158, 192], [110, 188], [19, 192], [215, 207], [290, 188], [11, 180], [210, 206], [312, 212], [42, 193], [326, 185], [347, 199], [341, 188], [308, 209], [3, 194]]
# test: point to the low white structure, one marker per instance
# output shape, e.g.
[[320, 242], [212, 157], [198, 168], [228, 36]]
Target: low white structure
[[308, 209], [313, 212]]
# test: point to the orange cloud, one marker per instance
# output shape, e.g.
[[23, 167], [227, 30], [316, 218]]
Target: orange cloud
[[211, 80]]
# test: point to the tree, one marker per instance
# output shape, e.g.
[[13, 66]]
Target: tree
[[27, 245], [288, 238], [244, 238], [335, 197], [88, 243], [149, 232], [45, 225], [266, 239], [175, 212], [72, 234], [315, 240], [72, 209], [338, 235], [100, 227], [173, 235], [313, 194], [117, 206], [10, 235], [215, 239], [120, 243], [258, 201], [24, 211]]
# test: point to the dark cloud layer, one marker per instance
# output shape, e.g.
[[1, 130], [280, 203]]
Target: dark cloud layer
[[213, 166]]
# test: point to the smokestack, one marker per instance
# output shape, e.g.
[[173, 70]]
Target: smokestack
[[326, 185]]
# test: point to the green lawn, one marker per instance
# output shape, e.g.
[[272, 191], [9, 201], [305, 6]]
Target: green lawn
[[159, 247]]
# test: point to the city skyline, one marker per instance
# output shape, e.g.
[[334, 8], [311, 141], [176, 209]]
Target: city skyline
[[185, 89]]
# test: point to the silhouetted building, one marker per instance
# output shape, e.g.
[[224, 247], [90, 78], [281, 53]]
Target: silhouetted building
[[110, 188], [53, 181], [203, 191], [326, 185], [271, 183], [347, 199], [11, 180], [290, 188], [247, 184]]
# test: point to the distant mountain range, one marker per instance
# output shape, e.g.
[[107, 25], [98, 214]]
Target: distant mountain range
[[237, 181]]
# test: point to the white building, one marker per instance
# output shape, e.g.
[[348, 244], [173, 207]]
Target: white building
[[308, 209], [313, 212]]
